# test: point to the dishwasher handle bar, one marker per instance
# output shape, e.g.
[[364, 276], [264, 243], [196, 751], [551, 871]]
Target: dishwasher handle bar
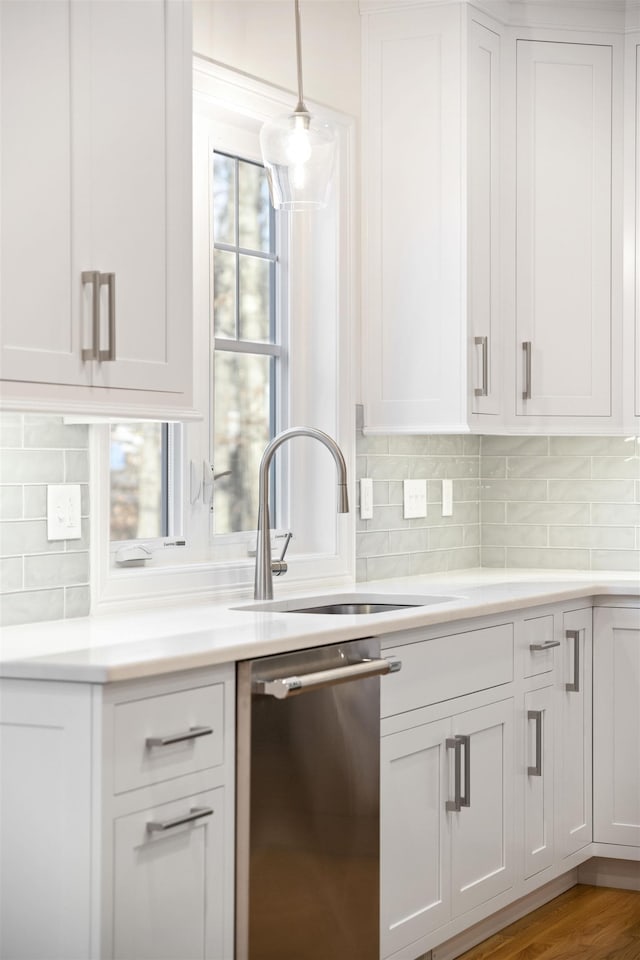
[[283, 687]]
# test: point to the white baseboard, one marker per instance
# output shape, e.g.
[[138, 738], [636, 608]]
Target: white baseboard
[[497, 921], [604, 872]]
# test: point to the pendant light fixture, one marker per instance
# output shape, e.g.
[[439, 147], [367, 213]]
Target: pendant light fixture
[[298, 151]]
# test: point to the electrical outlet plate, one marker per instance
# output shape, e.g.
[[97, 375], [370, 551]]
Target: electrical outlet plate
[[63, 511], [415, 499]]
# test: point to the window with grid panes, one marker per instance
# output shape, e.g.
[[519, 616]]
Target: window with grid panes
[[247, 347]]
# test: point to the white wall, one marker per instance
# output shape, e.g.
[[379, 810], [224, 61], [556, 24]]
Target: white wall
[[258, 37]]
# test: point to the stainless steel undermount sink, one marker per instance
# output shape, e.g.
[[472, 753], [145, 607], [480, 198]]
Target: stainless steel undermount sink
[[346, 604]]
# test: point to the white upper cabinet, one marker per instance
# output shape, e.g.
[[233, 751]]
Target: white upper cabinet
[[495, 222], [41, 338], [564, 242], [96, 205], [483, 219], [415, 312], [632, 213]]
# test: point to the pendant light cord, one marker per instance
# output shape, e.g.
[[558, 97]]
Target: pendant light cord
[[300, 108]]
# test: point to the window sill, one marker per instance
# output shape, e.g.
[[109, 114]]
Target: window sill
[[143, 587]]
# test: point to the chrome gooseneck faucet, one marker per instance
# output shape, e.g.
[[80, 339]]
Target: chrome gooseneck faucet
[[263, 589]]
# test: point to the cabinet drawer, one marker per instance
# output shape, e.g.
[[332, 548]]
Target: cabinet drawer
[[160, 738], [448, 667]]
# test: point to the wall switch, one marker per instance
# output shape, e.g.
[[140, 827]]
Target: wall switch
[[447, 498], [415, 498], [63, 511], [366, 498]]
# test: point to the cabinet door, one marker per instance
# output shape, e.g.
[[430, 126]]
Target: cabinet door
[[574, 792], [168, 891], [45, 820], [616, 724], [414, 848], [482, 831], [538, 771], [564, 228], [39, 306], [132, 136], [414, 365], [483, 217], [634, 190]]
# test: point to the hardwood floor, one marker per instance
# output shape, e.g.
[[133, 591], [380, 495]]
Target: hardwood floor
[[586, 923]]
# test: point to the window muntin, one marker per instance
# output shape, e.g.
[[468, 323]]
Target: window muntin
[[247, 354]]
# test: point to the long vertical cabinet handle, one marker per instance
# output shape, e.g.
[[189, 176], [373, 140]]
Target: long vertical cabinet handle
[[483, 342], [536, 715], [93, 277], [526, 347], [465, 800], [110, 353], [574, 635], [456, 744]]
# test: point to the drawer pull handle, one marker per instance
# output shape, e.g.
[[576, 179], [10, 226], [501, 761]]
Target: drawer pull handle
[[536, 715], [196, 813], [547, 645], [456, 744], [574, 635], [190, 734]]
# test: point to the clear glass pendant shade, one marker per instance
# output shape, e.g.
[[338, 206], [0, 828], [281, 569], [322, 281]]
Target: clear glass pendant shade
[[299, 154]]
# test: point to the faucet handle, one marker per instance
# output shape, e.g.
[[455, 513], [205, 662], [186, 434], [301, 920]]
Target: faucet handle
[[287, 540], [280, 566]]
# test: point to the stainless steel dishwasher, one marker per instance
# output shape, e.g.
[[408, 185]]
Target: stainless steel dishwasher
[[308, 743]]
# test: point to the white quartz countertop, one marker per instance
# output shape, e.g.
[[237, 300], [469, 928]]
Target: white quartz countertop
[[184, 636]]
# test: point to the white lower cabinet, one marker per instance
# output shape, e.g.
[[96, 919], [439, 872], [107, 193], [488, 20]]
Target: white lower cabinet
[[539, 821], [481, 831], [447, 772], [116, 818], [415, 864], [446, 801], [168, 887], [574, 804], [616, 718]]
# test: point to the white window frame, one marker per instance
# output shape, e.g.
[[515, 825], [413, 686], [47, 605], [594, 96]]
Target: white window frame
[[236, 545], [207, 567]]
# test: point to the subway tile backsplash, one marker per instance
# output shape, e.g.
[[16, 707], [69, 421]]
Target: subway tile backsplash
[[560, 502], [40, 579], [390, 546], [549, 502]]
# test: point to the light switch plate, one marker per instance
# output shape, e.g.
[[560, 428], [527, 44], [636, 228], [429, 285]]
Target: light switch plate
[[447, 498], [63, 511], [415, 499], [366, 498]]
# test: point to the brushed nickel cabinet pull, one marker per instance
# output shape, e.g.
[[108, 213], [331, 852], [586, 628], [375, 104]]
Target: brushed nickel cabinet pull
[[574, 686], [455, 744], [547, 645], [196, 813], [526, 347], [483, 342], [93, 277], [190, 734], [109, 354], [460, 800], [536, 770]]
